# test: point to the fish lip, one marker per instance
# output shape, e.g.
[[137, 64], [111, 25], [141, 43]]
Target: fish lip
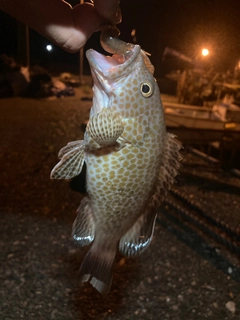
[[111, 65]]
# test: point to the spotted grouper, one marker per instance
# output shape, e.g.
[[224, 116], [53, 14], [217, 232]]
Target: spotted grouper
[[131, 160]]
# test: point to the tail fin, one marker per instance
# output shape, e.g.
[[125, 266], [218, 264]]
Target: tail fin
[[97, 268]]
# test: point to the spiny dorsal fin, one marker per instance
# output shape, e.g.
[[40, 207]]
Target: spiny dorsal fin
[[168, 170], [83, 230], [138, 238]]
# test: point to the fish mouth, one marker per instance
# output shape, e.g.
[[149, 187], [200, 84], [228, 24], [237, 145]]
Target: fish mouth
[[111, 67]]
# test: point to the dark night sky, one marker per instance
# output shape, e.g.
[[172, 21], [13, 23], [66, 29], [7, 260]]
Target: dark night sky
[[185, 25]]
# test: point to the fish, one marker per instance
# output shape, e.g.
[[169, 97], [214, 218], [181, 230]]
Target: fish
[[131, 160]]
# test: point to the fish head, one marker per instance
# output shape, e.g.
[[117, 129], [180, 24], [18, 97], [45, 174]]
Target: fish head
[[123, 82]]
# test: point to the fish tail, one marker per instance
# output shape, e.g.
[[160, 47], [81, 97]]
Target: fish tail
[[97, 268]]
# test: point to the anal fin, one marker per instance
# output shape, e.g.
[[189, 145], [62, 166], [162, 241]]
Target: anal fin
[[138, 238], [83, 230]]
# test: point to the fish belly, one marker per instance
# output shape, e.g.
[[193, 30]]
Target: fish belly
[[120, 184]]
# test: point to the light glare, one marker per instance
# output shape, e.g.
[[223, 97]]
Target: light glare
[[205, 52], [49, 47]]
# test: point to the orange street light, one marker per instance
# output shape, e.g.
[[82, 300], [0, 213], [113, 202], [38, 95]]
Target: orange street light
[[205, 52]]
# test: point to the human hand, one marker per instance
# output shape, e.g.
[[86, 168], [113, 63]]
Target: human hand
[[65, 26]]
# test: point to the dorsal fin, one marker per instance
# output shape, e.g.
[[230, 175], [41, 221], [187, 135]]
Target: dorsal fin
[[168, 170]]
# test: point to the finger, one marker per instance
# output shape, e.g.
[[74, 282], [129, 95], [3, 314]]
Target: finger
[[56, 20], [85, 22], [73, 30]]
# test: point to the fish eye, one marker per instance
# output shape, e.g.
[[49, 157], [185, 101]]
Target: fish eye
[[146, 89]]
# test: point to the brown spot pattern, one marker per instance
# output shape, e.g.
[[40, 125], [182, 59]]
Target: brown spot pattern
[[121, 182]]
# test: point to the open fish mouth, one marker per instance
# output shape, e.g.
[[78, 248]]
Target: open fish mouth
[[112, 66]]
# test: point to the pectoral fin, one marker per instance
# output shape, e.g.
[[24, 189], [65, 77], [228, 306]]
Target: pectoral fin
[[72, 159], [138, 238], [83, 230], [105, 127], [73, 145]]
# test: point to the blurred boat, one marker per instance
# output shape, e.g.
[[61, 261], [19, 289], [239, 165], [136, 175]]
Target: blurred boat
[[193, 124]]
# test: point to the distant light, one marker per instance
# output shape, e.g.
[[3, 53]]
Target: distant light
[[133, 33], [49, 47], [205, 52]]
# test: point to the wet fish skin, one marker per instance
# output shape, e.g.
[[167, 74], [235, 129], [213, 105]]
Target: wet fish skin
[[131, 162]]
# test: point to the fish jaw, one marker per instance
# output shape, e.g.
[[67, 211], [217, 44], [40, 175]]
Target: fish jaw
[[109, 68], [110, 73]]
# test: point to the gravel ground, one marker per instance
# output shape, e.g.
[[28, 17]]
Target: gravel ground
[[183, 274]]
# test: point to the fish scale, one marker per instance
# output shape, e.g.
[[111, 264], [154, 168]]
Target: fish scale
[[130, 158]]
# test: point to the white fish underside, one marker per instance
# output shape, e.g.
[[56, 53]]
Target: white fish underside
[[131, 163]]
